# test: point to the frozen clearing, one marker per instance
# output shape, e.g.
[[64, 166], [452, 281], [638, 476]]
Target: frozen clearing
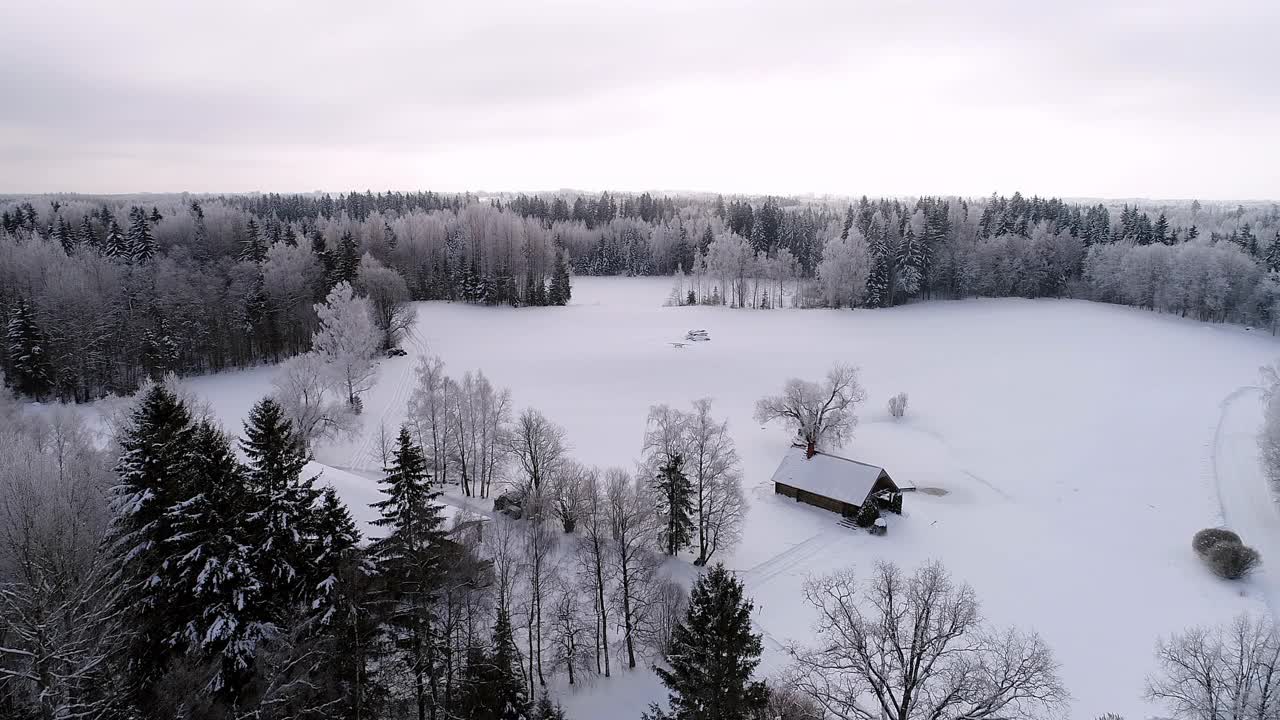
[[1079, 447]]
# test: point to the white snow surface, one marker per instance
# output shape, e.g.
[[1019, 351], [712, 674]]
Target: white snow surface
[[828, 475], [1080, 446]]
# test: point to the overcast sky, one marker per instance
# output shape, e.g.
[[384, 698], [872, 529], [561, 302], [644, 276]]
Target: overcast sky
[[1075, 98]]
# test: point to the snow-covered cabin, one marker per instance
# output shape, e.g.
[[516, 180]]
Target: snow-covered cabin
[[833, 483]]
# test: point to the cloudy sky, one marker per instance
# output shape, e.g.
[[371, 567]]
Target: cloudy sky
[[1077, 98]]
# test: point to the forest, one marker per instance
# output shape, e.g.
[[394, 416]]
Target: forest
[[98, 294]]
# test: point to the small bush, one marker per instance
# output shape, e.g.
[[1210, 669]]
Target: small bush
[[691, 299], [1232, 561], [1204, 540], [1110, 716], [867, 514], [898, 405]]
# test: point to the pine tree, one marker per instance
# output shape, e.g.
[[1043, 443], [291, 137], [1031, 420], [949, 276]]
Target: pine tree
[[87, 236], [252, 247], [561, 287], [214, 583], [675, 505], [713, 655], [28, 366], [1272, 258], [115, 245], [155, 474], [321, 251], [493, 688], [911, 263], [408, 561], [336, 540], [142, 245], [284, 512], [347, 263], [1160, 233], [545, 709]]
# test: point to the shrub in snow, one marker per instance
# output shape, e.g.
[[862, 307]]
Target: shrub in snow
[[867, 514], [1232, 561], [1110, 716], [898, 405], [1204, 540], [691, 299]]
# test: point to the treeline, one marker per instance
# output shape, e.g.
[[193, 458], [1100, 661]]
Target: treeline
[[98, 294]]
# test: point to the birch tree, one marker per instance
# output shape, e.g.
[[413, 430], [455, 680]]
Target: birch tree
[[632, 527], [593, 557], [347, 341]]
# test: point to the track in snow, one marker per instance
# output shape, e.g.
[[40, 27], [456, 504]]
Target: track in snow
[[1248, 507]]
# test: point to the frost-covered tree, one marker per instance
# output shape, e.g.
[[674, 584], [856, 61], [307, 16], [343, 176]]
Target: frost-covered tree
[[713, 655], [388, 299], [480, 418], [347, 341], [822, 414], [631, 523], [844, 270], [28, 365], [305, 391], [141, 242], [1269, 434], [1229, 671], [594, 562], [711, 461]]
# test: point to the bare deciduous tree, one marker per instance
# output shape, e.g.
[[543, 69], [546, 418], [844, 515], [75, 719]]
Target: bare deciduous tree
[[305, 391], [594, 561], [900, 648], [479, 416], [428, 414], [569, 629], [820, 413], [566, 491], [664, 437], [712, 463], [60, 626], [388, 298], [632, 527], [538, 445], [540, 545], [1223, 673]]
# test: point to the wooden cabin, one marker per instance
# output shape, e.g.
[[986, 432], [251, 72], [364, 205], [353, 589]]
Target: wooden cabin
[[833, 483]]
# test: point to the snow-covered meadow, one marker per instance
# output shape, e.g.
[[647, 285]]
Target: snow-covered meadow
[[1080, 446]]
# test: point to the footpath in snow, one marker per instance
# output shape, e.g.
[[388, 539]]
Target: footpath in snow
[[1247, 504]]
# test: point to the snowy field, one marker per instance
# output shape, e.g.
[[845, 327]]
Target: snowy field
[[1079, 445]]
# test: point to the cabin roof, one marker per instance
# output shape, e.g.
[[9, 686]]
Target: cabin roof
[[828, 475]]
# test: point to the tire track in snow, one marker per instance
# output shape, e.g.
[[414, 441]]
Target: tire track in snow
[[363, 453], [787, 559], [1248, 507]]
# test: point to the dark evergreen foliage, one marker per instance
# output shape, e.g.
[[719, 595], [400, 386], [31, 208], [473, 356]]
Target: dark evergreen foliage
[[28, 367], [675, 505], [713, 655]]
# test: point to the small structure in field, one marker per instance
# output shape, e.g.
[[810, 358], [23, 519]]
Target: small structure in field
[[834, 483]]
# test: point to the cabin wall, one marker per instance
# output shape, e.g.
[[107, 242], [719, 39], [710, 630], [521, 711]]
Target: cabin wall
[[820, 501]]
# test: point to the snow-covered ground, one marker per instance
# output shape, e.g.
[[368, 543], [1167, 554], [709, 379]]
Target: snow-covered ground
[[1080, 446]]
